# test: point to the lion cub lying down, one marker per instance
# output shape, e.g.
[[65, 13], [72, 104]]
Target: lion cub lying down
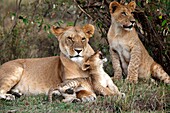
[[69, 89], [99, 79]]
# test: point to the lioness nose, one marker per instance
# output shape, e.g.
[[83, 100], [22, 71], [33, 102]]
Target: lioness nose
[[132, 21], [78, 50]]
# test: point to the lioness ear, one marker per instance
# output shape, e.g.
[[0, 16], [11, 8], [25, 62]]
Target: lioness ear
[[57, 30], [113, 5], [132, 5], [88, 30], [85, 66]]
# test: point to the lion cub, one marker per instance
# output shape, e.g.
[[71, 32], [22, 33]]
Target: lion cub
[[129, 56], [99, 79], [67, 90]]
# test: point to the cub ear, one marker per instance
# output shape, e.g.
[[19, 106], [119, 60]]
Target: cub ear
[[85, 66], [113, 5], [88, 30], [132, 5], [57, 30]]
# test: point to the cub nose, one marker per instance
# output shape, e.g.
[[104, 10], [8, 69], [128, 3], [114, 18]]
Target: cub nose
[[78, 50]]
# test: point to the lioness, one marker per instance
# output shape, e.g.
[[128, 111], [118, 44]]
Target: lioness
[[127, 51], [99, 79], [37, 75]]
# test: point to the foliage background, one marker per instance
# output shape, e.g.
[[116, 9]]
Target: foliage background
[[25, 33]]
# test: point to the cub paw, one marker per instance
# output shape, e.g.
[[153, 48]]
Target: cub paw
[[86, 96], [71, 100], [117, 77], [89, 98], [130, 80]]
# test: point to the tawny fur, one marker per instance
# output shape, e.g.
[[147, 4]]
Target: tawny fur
[[76, 85], [129, 56], [101, 81], [37, 75]]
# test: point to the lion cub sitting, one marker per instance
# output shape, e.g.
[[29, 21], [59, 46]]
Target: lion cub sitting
[[99, 79], [129, 56]]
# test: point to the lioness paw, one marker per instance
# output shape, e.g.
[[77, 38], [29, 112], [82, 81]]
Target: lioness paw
[[7, 96]]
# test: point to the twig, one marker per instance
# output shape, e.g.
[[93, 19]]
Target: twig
[[82, 10], [18, 4]]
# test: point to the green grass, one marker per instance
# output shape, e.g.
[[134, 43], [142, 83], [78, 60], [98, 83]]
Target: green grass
[[143, 97]]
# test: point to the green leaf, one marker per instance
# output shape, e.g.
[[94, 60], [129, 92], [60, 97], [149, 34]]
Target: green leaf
[[160, 17], [13, 14], [70, 23], [164, 22], [25, 20], [50, 35], [45, 28]]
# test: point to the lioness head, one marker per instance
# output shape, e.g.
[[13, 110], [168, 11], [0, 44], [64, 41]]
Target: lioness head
[[122, 14], [73, 40], [95, 61]]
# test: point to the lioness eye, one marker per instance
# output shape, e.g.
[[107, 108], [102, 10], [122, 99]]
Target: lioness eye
[[123, 13], [83, 39]]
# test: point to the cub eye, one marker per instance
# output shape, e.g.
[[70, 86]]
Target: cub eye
[[69, 38], [132, 13], [83, 39], [100, 56], [124, 14]]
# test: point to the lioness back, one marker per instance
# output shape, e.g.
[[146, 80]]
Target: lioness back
[[129, 56]]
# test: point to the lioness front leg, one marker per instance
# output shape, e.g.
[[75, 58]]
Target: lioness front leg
[[134, 65], [116, 64], [10, 74]]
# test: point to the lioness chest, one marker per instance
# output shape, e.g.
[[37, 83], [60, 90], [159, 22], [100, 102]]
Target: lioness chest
[[120, 46]]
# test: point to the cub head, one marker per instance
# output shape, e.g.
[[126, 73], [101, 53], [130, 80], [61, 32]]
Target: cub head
[[122, 14], [73, 40], [94, 62]]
